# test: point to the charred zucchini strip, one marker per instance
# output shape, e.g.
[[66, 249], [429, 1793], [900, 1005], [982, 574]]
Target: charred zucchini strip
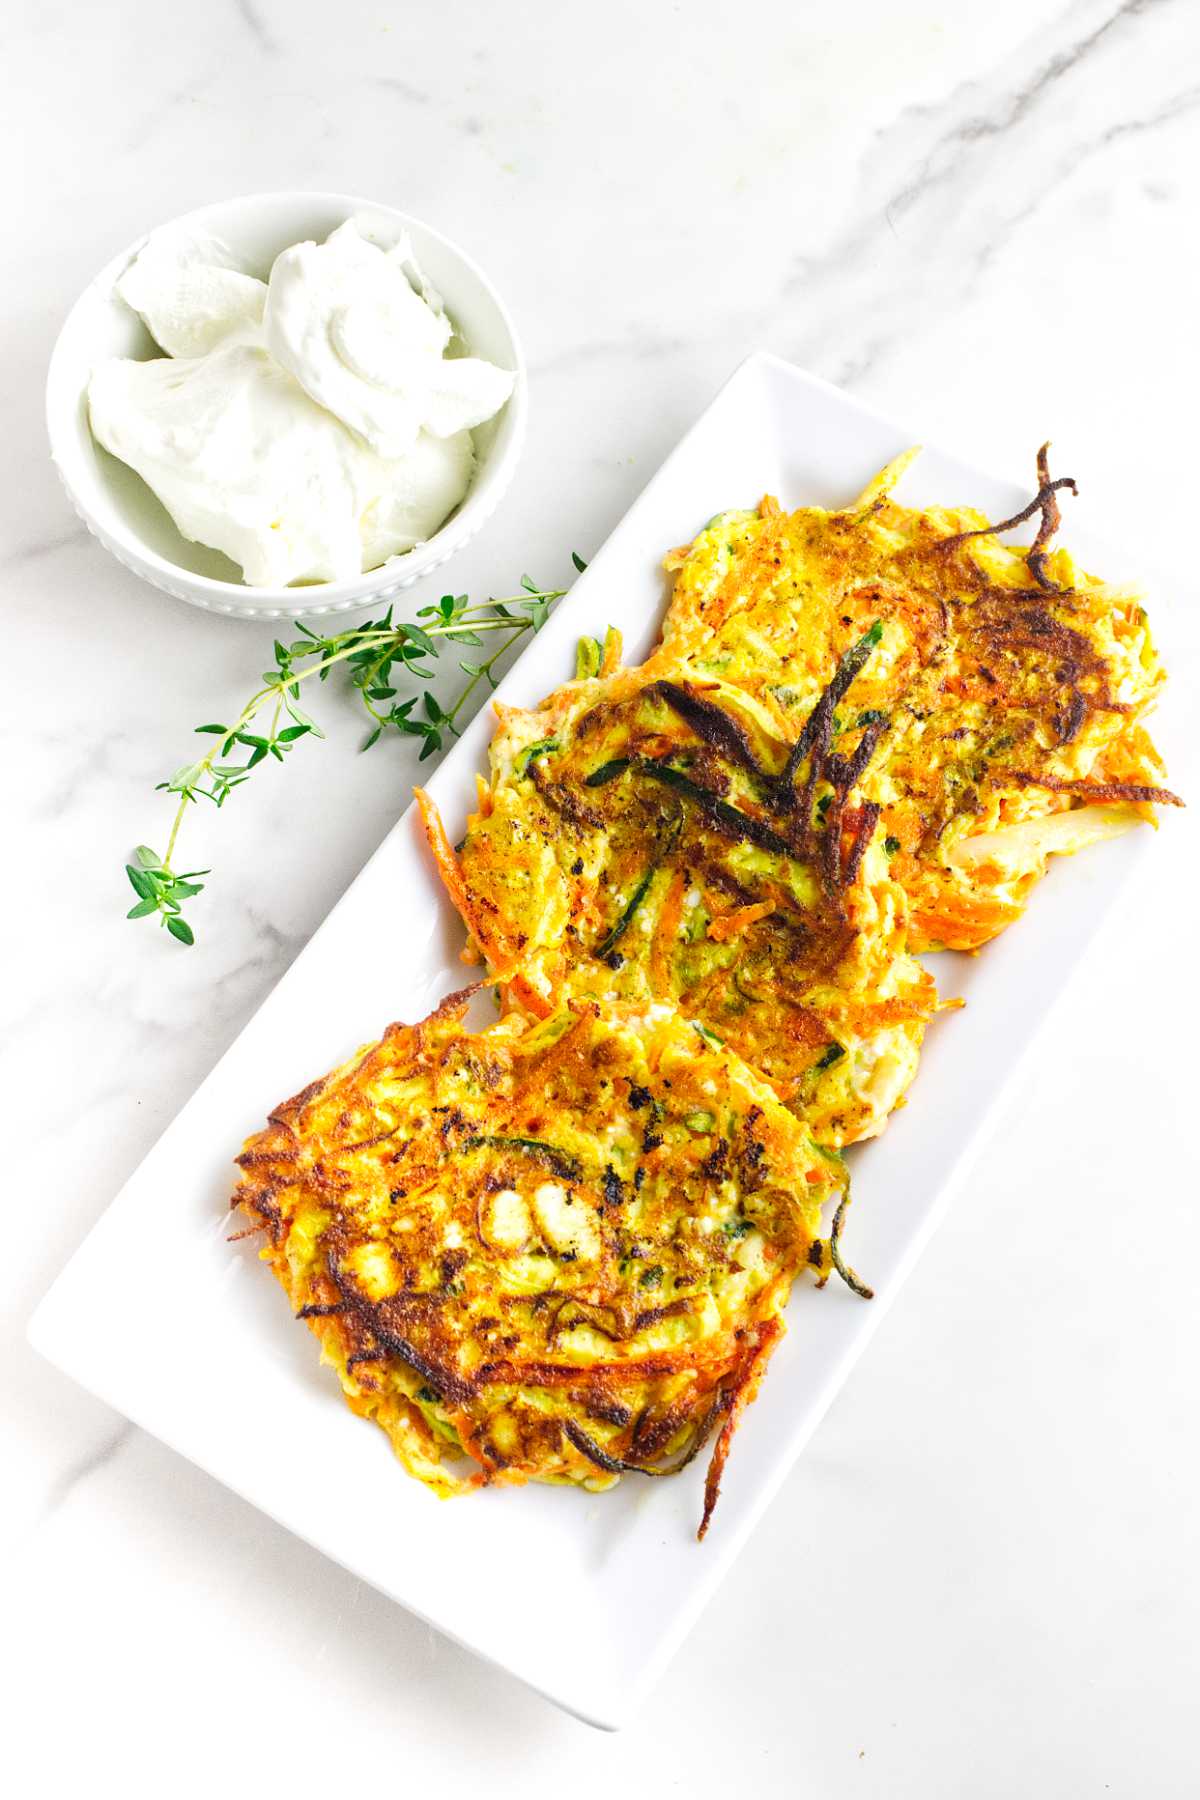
[[667, 844], [729, 820], [556, 1160]]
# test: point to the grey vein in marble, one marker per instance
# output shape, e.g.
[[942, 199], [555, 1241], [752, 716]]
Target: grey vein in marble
[[250, 16], [25, 554], [1016, 108], [944, 169]]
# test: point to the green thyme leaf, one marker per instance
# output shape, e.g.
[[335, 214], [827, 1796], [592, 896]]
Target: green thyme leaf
[[372, 651]]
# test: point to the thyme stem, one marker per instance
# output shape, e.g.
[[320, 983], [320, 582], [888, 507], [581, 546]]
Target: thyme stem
[[371, 650]]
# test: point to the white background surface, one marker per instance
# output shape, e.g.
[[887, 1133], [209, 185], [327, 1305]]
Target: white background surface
[[982, 1577]]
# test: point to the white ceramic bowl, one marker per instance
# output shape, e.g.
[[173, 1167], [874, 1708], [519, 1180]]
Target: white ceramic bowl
[[120, 510]]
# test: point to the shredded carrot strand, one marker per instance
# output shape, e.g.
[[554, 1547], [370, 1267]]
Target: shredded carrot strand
[[665, 933], [732, 924], [451, 876]]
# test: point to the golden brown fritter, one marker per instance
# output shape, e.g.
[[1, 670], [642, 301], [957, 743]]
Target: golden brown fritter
[[1007, 687], [658, 839], [554, 1251]]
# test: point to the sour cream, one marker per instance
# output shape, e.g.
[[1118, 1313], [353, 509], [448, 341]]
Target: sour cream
[[245, 462], [190, 292], [345, 318], [309, 427]]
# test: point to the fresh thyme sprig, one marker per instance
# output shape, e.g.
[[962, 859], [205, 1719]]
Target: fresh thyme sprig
[[374, 653]]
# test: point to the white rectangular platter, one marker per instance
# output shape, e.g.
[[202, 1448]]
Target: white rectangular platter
[[234, 1384]]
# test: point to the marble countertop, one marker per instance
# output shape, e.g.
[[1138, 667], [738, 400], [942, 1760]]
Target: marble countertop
[[982, 1577]]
